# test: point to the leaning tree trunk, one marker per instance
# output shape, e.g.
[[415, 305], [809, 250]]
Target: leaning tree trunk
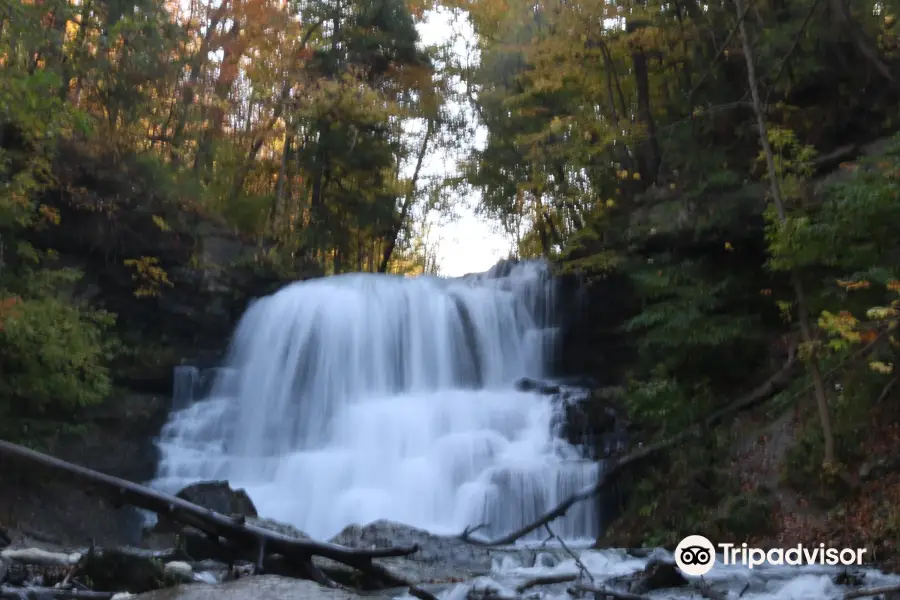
[[800, 295]]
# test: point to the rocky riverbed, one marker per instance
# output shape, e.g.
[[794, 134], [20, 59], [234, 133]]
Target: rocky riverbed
[[444, 567], [255, 558]]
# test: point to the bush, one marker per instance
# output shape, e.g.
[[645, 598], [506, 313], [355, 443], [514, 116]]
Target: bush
[[52, 355]]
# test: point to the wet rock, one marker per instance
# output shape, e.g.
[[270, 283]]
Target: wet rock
[[220, 497], [657, 575], [177, 571], [593, 420], [439, 558], [527, 384], [4, 568], [282, 528], [545, 560], [850, 578], [124, 570], [214, 495], [264, 587]]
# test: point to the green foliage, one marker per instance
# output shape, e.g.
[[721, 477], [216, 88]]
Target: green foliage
[[661, 400], [52, 351], [685, 310]]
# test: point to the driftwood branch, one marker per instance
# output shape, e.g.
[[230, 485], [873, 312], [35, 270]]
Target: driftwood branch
[[546, 580], [890, 589], [601, 591], [772, 386], [14, 593], [242, 535]]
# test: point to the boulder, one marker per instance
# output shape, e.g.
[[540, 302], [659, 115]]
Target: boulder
[[526, 384], [264, 587], [178, 571], [282, 528], [214, 495], [657, 575], [220, 497], [440, 559], [124, 570]]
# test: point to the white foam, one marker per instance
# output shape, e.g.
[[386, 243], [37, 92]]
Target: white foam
[[360, 397], [765, 583]]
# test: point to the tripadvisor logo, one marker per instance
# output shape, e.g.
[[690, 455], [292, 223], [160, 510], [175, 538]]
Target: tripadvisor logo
[[695, 555]]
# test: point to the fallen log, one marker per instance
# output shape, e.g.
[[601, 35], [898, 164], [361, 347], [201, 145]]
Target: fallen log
[[601, 591], [545, 580], [14, 593], [864, 593], [216, 525], [37, 556], [772, 386]]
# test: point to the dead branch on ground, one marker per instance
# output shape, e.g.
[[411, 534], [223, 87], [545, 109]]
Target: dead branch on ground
[[15, 593], [890, 589], [601, 591], [230, 533]]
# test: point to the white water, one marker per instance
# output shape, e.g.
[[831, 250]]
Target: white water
[[766, 582], [358, 397]]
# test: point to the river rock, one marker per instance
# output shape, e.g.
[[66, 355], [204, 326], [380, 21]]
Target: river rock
[[263, 587], [178, 571], [220, 497], [124, 570], [214, 495], [282, 528], [440, 559], [657, 575], [526, 384]]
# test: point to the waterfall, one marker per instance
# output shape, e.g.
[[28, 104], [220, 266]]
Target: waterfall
[[359, 397]]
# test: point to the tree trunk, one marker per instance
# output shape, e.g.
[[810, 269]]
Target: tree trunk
[[802, 306], [407, 202], [869, 50], [650, 155], [189, 91]]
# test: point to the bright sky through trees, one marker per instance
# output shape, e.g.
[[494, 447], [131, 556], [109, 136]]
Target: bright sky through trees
[[468, 243]]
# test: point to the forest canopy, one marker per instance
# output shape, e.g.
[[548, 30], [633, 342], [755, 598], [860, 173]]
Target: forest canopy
[[682, 146]]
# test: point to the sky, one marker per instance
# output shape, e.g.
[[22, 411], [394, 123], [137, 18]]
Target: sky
[[468, 243]]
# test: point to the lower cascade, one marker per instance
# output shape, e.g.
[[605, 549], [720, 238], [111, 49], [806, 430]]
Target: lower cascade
[[360, 397]]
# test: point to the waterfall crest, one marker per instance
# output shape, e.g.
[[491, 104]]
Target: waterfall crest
[[358, 397]]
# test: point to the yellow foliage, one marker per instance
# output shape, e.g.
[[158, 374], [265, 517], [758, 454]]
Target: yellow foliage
[[49, 214], [161, 223], [149, 275], [853, 285]]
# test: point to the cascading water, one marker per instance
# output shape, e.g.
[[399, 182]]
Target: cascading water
[[358, 397]]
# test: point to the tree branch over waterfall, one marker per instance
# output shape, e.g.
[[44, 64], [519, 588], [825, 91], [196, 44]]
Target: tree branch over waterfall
[[772, 386]]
